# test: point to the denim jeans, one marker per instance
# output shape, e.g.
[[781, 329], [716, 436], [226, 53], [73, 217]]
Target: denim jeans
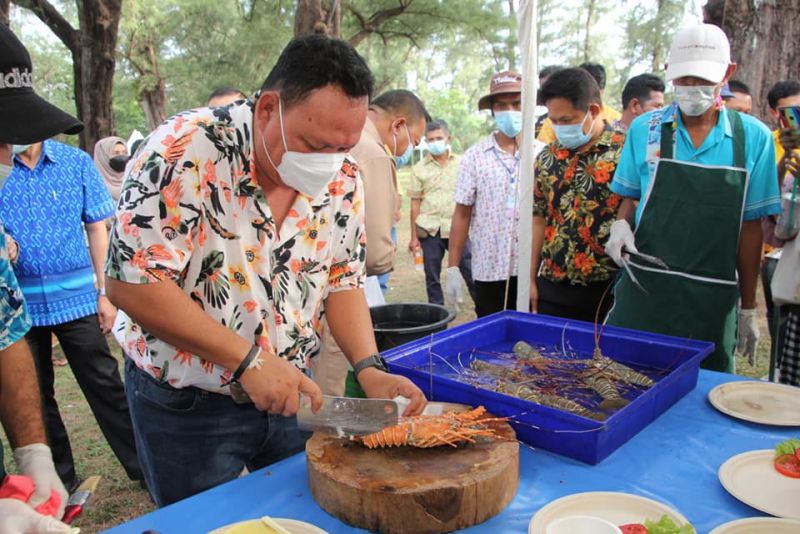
[[433, 250], [190, 440], [383, 279]]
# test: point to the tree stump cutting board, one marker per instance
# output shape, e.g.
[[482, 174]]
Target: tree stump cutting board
[[401, 490]]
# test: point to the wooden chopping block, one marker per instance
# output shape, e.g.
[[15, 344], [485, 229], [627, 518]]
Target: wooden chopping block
[[402, 490]]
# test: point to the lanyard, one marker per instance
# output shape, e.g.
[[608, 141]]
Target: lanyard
[[511, 197]]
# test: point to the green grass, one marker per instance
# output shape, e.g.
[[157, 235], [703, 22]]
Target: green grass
[[118, 499]]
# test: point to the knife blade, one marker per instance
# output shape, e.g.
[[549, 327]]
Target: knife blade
[[345, 416], [79, 498]]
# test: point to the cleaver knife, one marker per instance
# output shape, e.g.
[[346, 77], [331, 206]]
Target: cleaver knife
[[347, 417]]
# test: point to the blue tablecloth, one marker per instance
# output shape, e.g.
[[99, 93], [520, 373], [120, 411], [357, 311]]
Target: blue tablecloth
[[674, 460]]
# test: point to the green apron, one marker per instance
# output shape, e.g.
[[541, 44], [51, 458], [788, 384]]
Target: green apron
[[691, 219]]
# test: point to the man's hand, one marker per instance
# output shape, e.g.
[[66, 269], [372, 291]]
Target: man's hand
[[16, 517], [534, 297], [789, 139], [414, 245], [621, 236], [379, 385], [106, 313], [793, 163], [275, 386], [454, 287], [13, 249], [748, 334], [36, 462]]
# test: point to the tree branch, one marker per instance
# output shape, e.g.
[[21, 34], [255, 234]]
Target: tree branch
[[54, 20], [375, 21]]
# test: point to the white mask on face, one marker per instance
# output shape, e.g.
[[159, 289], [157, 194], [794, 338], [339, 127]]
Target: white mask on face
[[694, 100], [305, 172]]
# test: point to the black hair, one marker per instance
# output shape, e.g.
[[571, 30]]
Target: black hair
[[404, 103], [575, 85], [597, 71], [225, 90], [738, 87], [781, 90], [549, 70], [437, 124], [314, 61], [640, 87]]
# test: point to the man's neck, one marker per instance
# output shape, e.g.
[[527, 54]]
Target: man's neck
[[506, 143], [442, 158], [32, 155], [698, 127], [627, 118], [597, 130]]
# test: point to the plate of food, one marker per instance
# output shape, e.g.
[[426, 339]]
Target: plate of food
[[768, 480], [633, 514], [759, 525], [269, 525], [758, 402]]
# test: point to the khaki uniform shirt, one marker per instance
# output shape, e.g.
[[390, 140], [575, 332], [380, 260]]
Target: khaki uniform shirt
[[434, 184]]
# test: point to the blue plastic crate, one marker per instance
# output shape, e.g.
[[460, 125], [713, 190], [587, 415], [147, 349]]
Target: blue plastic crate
[[427, 363]]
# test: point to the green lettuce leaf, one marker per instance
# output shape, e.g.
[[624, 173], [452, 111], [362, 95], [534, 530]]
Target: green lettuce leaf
[[787, 447], [665, 525]]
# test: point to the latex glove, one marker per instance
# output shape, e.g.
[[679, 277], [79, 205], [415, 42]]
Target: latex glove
[[36, 461], [748, 334], [621, 236], [454, 287], [16, 517]]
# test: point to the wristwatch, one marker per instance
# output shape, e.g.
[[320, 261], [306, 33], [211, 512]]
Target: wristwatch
[[375, 360]]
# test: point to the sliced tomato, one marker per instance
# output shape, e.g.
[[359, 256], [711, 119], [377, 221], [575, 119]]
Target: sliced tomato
[[633, 528], [788, 465]]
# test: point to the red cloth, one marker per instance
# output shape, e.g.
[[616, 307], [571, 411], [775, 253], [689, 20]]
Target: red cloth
[[21, 488]]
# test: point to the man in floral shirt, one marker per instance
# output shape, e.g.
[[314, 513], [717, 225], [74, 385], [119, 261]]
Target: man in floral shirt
[[573, 205], [237, 228]]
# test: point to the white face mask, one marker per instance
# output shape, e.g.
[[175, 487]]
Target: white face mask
[[5, 172], [694, 100], [305, 172]]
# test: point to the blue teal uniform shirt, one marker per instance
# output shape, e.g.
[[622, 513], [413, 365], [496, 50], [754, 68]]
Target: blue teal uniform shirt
[[44, 209], [637, 163]]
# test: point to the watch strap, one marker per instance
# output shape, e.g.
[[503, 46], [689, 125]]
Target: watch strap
[[374, 360]]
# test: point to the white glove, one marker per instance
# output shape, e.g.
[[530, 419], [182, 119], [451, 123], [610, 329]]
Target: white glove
[[16, 517], [620, 236], [454, 287], [748, 334], [36, 462]]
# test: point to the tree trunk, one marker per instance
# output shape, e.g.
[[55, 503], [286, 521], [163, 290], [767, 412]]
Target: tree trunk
[[511, 40], [763, 36], [318, 16], [656, 63], [151, 91], [93, 49], [588, 29], [5, 9]]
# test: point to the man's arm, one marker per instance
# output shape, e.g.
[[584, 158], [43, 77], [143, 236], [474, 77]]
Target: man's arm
[[350, 323], [169, 314], [413, 243], [748, 262], [98, 247], [536, 257], [20, 403], [627, 210], [459, 229]]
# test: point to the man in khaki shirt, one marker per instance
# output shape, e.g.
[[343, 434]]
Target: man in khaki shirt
[[433, 181], [396, 121]]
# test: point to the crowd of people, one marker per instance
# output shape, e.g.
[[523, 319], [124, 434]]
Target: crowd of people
[[229, 251]]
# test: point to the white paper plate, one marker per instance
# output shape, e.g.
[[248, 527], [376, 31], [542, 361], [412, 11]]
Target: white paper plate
[[292, 525], [751, 477], [758, 402], [759, 525], [619, 508]]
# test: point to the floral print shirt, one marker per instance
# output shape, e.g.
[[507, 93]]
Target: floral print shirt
[[572, 194], [192, 212]]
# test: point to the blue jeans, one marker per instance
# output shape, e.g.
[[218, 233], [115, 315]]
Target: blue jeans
[[383, 279], [433, 250], [189, 440]]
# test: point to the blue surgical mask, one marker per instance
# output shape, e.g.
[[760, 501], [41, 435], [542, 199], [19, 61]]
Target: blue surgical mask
[[572, 136], [19, 149], [509, 122], [405, 157], [437, 148]]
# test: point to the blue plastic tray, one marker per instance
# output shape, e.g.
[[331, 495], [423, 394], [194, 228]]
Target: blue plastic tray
[[428, 361]]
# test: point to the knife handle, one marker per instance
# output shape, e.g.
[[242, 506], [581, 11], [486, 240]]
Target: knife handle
[[71, 512]]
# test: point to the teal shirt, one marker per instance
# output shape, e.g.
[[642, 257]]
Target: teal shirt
[[636, 165]]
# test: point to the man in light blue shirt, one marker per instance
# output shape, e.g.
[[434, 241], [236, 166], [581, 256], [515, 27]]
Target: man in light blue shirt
[[703, 177]]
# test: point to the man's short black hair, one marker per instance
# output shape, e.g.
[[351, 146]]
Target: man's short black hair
[[403, 103], [597, 71], [225, 90], [735, 86], [783, 89], [549, 70], [575, 85], [640, 87], [314, 61], [437, 124]]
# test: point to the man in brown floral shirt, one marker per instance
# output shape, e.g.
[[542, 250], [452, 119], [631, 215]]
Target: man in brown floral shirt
[[573, 205]]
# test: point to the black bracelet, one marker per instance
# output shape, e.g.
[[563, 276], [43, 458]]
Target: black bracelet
[[237, 374]]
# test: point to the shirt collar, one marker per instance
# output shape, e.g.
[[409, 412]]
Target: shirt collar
[[670, 114], [48, 151], [492, 145]]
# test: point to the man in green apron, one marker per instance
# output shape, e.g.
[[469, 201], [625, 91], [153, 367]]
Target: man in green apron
[[703, 176]]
